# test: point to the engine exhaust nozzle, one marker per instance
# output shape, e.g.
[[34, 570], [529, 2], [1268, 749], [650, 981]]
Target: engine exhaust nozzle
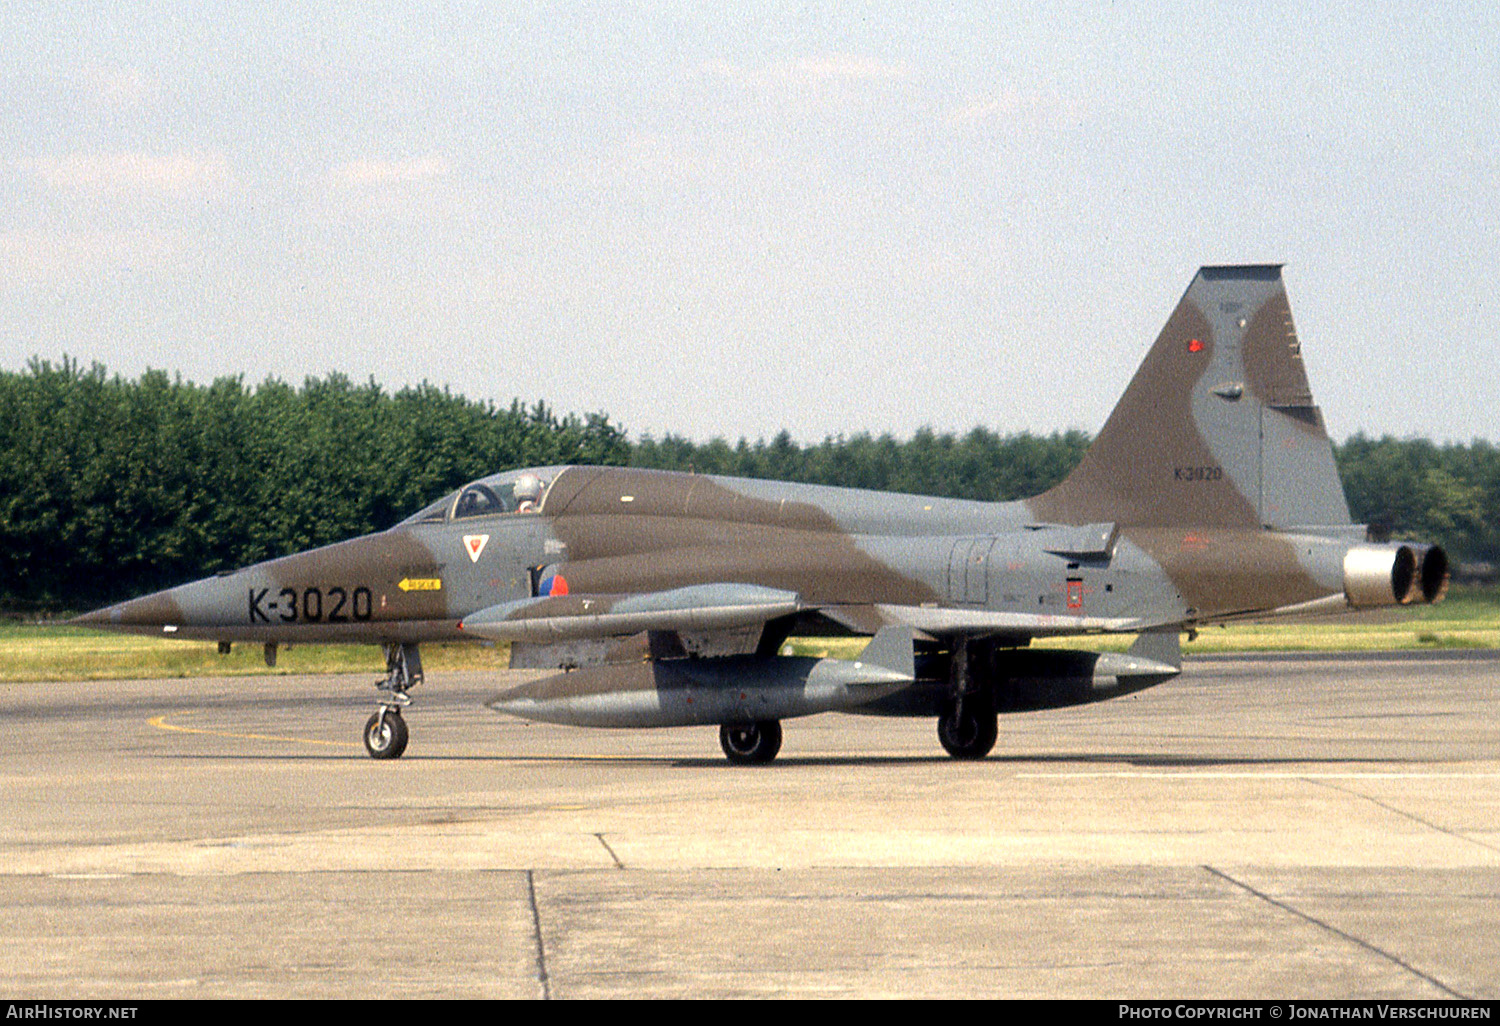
[[1432, 572], [1380, 575]]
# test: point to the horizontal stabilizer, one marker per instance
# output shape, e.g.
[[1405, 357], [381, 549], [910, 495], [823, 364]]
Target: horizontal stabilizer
[[701, 607], [1087, 541]]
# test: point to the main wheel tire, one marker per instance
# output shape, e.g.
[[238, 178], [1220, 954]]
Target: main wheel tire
[[751, 744], [386, 738], [969, 736]]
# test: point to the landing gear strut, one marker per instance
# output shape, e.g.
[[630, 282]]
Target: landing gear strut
[[385, 732], [751, 744]]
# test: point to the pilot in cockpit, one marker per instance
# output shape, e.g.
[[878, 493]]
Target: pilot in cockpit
[[528, 492]]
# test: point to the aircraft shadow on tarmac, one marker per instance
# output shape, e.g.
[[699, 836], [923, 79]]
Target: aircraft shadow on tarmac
[[1138, 760]]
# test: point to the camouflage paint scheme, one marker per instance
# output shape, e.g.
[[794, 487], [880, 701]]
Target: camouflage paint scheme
[[1210, 494]]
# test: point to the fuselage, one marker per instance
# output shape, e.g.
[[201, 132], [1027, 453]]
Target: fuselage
[[613, 531]]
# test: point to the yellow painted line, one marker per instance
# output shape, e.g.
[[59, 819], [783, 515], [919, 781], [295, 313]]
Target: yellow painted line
[[160, 723]]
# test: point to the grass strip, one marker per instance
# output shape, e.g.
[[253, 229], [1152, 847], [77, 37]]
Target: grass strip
[[1470, 618]]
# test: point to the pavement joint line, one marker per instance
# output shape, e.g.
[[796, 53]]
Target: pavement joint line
[[536, 926], [1315, 921], [1404, 814], [618, 863]]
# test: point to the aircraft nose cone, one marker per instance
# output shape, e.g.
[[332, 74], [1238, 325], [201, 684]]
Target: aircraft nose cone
[[94, 618], [147, 611]]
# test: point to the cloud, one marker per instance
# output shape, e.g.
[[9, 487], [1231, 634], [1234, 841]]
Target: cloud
[[848, 67], [32, 257], [118, 88], [355, 174], [186, 174], [1017, 107], [832, 68], [407, 190]]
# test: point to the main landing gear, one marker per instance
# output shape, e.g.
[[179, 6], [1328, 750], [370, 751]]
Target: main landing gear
[[968, 729], [968, 725], [751, 744], [385, 732]]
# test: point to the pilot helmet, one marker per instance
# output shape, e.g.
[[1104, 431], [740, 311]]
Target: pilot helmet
[[528, 488]]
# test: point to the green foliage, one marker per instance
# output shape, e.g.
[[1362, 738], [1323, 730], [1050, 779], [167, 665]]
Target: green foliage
[[110, 487], [980, 465], [1414, 489]]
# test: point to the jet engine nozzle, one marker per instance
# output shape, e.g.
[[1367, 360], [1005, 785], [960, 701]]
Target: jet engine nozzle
[[1432, 572], [1380, 575]]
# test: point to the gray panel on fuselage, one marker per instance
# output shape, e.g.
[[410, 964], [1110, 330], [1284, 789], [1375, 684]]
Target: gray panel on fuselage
[[861, 512], [485, 560], [1022, 577]]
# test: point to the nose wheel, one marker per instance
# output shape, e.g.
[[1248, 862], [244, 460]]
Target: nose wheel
[[386, 734]]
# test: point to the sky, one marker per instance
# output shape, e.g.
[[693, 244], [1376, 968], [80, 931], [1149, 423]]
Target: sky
[[717, 220]]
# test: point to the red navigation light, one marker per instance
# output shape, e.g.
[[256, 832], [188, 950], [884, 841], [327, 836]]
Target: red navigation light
[[1195, 345]]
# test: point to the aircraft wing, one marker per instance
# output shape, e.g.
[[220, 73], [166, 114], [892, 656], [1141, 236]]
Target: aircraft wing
[[939, 621], [699, 607], [716, 607]]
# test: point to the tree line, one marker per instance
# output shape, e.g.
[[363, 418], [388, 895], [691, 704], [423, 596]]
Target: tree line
[[111, 487]]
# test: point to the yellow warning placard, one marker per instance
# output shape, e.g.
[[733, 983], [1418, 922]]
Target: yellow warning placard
[[420, 584]]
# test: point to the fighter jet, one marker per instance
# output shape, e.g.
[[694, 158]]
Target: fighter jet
[[665, 599]]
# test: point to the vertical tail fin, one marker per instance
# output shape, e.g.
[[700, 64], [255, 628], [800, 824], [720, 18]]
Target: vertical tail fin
[[1218, 426]]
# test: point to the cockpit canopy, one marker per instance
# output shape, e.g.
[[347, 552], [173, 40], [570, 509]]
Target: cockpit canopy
[[510, 492], [478, 500]]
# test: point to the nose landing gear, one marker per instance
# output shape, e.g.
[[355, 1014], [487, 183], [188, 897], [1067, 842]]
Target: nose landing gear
[[385, 732]]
